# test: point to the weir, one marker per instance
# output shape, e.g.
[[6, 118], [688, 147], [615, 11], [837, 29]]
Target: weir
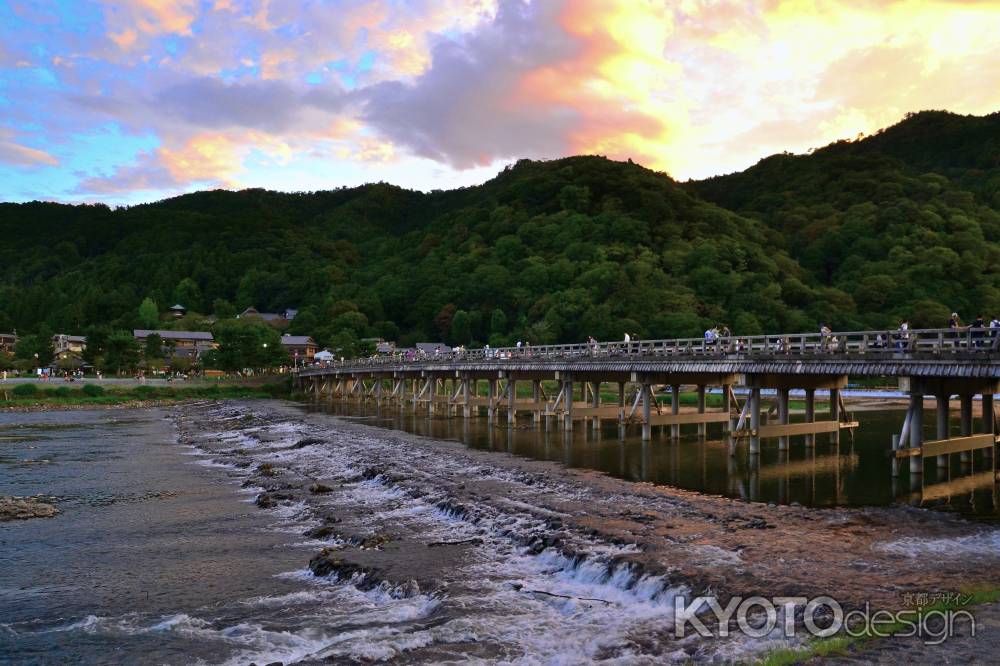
[[640, 383]]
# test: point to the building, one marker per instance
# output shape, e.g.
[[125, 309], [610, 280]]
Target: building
[[271, 317], [385, 347], [299, 346], [7, 343], [180, 344], [178, 311], [62, 343]]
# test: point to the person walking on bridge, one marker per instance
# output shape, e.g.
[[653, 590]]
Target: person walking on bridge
[[978, 330], [903, 336], [824, 332]]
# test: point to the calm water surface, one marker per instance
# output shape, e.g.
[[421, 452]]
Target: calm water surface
[[146, 536], [854, 471]]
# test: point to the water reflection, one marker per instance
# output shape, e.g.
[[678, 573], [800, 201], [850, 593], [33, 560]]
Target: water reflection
[[852, 470]]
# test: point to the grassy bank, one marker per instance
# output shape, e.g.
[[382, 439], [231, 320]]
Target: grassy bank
[[28, 396], [841, 645]]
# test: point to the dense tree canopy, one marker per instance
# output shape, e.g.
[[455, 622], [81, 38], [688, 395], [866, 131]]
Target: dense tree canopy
[[904, 223]]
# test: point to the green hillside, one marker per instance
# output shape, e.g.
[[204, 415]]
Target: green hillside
[[904, 223]]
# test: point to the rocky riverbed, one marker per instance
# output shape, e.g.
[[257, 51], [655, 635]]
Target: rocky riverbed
[[501, 557], [23, 508]]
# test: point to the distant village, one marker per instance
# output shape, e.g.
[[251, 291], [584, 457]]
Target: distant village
[[171, 351]]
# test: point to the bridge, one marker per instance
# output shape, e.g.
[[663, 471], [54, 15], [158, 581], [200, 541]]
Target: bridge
[[939, 363]]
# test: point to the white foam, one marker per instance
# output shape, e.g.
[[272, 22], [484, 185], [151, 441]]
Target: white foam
[[985, 543]]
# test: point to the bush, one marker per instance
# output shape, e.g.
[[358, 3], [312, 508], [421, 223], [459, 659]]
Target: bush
[[93, 390], [144, 392], [25, 390]]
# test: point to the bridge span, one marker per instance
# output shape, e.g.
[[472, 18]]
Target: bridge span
[[567, 384]]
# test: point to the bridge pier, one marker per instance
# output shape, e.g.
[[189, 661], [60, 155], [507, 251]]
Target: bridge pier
[[755, 420], [783, 417], [511, 399], [941, 448], [675, 409], [647, 401], [965, 457], [942, 425], [536, 399], [702, 427]]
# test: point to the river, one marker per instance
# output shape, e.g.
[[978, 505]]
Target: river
[[453, 551]]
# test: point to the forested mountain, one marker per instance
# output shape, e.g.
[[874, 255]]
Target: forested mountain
[[904, 223]]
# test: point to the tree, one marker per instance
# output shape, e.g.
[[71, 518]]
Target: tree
[[246, 344], [188, 294], [122, 352], [149, 313], [36, 348], [153, 348], [498, 322], [461, 328], [223, 309]]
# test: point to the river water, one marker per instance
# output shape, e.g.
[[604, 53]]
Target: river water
[[159, 554], [854, 469]]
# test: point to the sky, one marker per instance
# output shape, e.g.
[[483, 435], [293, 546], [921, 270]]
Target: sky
[[127, 101]]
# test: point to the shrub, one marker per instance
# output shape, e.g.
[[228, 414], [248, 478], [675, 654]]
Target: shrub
[[25, 390], [93, 390], [144, 392]]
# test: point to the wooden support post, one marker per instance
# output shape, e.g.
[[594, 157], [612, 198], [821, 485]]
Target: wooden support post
[[511, 400], [783, 417], [835, 412], [754, 420], [595, 401], [966, 424], [702, 427], [916, 431], [647, 403], [621, 410], [466, 395], [536, 397], [431, 391], [675, 408], [942, 425], [378, 390], [568, 402], [810, 414], [727, 406], [987, 407], [989, 426], [491, 385]]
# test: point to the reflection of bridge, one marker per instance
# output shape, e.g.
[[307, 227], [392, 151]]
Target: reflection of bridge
[[938, 363]]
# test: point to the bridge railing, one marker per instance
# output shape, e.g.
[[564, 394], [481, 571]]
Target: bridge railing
[[924, 341]]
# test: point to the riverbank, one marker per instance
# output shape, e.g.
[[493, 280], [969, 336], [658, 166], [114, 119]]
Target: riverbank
[[31, 397], [386, 508]]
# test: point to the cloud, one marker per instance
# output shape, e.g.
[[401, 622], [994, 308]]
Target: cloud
[[231, 92], [24, 156], [460, 111], [271, 106], [128, 19]]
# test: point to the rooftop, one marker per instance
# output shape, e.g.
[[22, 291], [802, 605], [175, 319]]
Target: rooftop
[[142, 333], [297, 340]]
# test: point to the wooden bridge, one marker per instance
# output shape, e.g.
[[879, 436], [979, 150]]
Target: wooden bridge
[[940, 363]]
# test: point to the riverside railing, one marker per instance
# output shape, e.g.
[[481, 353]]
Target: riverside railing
[[942, 342]]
